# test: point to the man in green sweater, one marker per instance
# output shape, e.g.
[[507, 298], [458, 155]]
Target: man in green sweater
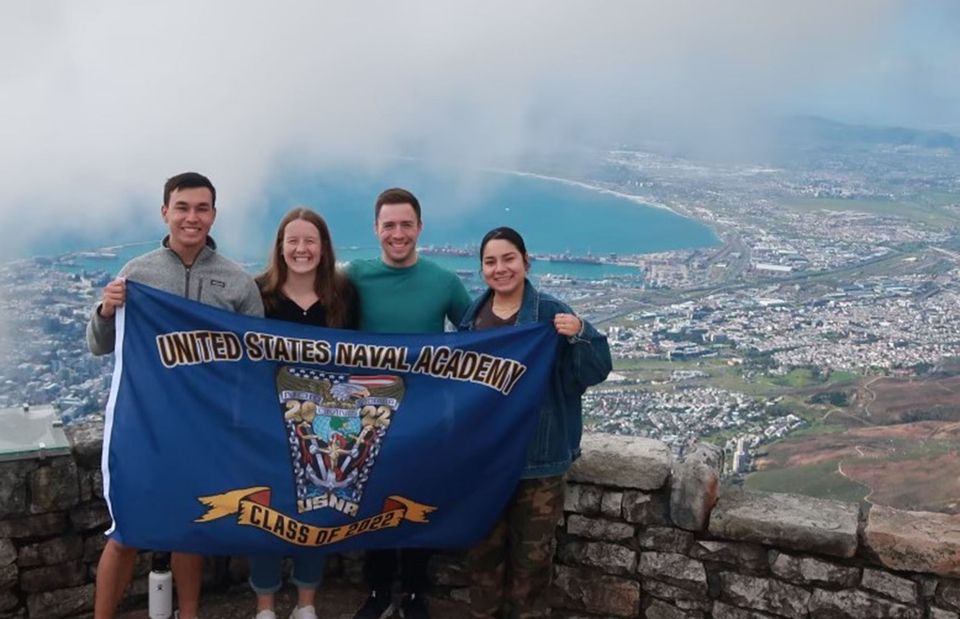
[[402, 293]]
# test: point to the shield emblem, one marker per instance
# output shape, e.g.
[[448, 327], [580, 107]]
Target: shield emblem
[[336, 424]]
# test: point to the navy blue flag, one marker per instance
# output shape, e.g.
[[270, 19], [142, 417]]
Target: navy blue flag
[[228, 434]]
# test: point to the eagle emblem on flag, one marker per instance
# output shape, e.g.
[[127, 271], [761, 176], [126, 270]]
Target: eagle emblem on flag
[[335, 424]]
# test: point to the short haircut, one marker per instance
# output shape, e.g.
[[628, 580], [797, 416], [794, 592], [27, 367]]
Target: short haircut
[[396, 195], [188, 180]]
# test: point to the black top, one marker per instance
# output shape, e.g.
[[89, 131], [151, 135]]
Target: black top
[[286, 309], [486, 319], [316, 314]]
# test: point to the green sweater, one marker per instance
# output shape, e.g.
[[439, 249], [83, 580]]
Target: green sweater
[[413, 299]]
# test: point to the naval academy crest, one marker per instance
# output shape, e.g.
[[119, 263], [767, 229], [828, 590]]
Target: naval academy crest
[[336, 424]]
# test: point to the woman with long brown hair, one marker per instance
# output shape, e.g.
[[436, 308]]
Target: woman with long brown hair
[[301, 284], [302, 272]]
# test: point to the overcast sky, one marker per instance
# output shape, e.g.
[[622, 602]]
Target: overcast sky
[[103, 100]]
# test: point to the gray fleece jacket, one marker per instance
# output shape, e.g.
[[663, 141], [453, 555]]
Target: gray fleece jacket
[[211, 279]]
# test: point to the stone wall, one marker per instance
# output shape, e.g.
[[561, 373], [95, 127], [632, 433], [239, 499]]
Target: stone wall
[[642, 535], [646, 536], [52, 518]]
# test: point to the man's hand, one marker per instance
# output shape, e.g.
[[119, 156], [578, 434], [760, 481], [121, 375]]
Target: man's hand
[[114, 295]]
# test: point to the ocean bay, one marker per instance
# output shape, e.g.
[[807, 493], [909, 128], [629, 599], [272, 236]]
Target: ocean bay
[[558, 219]]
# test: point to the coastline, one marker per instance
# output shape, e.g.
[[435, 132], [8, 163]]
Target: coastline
[[715, 227], [611, 192], [590, 187]]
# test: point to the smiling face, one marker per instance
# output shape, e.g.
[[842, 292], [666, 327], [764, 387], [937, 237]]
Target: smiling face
[[302, 248], [504, 267], [398, 229], [189, 214]]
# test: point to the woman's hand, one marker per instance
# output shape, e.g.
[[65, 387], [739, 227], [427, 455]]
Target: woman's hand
[[567, 324]]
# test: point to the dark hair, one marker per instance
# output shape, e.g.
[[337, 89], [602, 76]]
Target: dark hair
[[330, 285], [396, 195], [509, 235], [188, 180]]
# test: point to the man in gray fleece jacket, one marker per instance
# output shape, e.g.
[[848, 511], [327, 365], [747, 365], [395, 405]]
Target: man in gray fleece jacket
[[187, 264]]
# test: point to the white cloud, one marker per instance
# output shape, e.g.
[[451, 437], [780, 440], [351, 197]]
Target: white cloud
[[103, 100]]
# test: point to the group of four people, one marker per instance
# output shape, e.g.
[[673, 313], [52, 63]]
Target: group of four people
[[398, 293]]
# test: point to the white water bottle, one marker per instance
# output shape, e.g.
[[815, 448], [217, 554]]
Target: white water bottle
[[160, 583]]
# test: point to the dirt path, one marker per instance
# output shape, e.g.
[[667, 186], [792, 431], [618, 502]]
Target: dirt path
[[873, 394], [950, 427], [860, 453]]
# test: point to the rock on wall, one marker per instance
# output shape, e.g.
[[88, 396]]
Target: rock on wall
[[642, 535]]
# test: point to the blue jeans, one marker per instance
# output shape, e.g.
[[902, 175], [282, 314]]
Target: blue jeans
[[265, 574]]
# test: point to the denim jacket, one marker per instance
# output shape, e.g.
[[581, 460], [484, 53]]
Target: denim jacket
[[582, 360]]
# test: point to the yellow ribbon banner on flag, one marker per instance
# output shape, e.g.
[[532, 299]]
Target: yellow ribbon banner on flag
[[252, 506]]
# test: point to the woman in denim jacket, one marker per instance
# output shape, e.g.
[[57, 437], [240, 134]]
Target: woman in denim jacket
[[510, 570]]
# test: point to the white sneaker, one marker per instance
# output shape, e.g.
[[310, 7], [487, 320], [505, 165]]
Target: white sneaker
[[266, 614], [303, 612]]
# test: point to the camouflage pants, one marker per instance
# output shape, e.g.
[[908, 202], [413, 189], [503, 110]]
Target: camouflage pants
[[510, 570]]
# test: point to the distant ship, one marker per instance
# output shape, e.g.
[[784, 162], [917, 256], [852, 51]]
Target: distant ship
[[550, 279], [100, 254], [569, 258], [564, 257], [445, 250]]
